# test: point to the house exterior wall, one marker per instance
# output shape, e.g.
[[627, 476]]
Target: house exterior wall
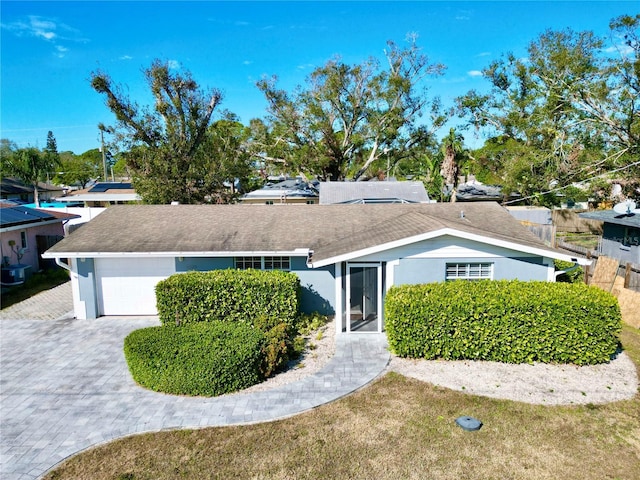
[[428, 270], [448, 247], [84, 273], [621, 242], [318, 287], [324, 288], [203, 264], [30, 256]]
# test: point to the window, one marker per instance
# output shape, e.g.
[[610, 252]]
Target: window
[[23, 239], [276, 263], [263, 263], [244, 263], [269, 202], [469, 271], [311, 202]]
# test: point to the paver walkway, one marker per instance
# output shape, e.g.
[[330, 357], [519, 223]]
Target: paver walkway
[[64, 386], [48, 305]]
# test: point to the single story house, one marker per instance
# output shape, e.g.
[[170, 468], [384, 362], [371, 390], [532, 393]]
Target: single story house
[[620, 234], [19, 192], [346, 256], [372, 192], [26, 234]]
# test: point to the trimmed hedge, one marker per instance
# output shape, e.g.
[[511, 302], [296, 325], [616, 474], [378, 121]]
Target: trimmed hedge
[[504, 321], [198, 359], [228, 295]]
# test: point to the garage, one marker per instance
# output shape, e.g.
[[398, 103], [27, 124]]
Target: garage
[[126, 286]]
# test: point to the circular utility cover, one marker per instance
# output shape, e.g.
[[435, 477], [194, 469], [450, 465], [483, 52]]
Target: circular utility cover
[[469, 424]]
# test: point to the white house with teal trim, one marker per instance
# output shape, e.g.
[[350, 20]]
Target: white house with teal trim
[[346, 256]]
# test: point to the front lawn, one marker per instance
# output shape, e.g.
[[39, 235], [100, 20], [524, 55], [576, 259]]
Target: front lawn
[[397, 428]]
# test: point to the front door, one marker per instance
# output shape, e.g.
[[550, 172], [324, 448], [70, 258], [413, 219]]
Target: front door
[[364, 297]]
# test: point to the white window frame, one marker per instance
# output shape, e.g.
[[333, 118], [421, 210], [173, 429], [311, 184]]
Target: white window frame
[[263, 263], [469, 271], [24, 239]]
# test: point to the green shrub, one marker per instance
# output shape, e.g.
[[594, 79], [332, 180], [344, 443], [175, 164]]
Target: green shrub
[[310, 322], [196, 359], [228, 295], [278, 346], [505, 321], [573, 276]]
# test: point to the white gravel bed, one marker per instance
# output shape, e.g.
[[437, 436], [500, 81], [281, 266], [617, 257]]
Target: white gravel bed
[[538, 383]]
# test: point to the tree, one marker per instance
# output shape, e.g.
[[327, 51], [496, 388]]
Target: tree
[[164, 143], [342, 124], [80, 169], [31, 166], [567, 113], [51, 150], [453, 154]]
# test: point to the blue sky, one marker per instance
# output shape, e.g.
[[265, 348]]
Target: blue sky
[[50, 48]]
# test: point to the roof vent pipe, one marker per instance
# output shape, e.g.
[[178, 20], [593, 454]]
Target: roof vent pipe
[[461, 213]]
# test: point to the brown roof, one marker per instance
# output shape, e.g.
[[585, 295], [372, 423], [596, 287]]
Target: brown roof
[[328, 230]]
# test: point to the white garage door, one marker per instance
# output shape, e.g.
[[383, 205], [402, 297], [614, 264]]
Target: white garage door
[[126, 286]]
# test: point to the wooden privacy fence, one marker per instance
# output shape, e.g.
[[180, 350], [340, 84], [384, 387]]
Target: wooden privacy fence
[[569, 221], [609, 275]]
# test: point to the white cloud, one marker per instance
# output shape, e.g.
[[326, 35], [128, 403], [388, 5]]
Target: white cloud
[[173, 64], [474, 73], [126, 57], [463, 15], [49, 30], [60, 51], [42, 28], [621, 48], [247, 62]]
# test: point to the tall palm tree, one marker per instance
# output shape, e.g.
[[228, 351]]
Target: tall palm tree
[[454, 153]]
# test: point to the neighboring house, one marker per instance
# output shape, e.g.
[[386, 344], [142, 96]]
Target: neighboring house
[[19, 192], [372, 192], [103, 194], [293, 190], [538, 220], [25, 234], [346, 256], [620, 234]]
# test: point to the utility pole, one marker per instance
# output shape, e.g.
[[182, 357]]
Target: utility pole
[[104, 157]]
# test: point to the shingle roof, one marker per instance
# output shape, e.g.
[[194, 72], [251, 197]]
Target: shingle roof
[[343, 192], [611, 216], [328, 230]]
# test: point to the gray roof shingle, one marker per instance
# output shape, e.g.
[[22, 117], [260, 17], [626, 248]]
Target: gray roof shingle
[[343, 192], [328, 230]]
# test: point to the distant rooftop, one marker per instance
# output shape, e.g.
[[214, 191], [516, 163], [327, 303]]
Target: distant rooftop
[[372, 192], [103, 192], [610, 216], [18, 215]]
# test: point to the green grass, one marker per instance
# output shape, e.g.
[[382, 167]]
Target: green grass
[[38, 282], [397, 428], [585, 240]]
